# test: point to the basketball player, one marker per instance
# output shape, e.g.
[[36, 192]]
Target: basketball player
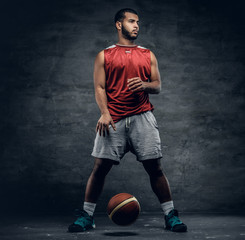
[[124, 75]]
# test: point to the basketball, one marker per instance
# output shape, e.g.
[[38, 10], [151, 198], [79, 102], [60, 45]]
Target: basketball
[[123, 209]]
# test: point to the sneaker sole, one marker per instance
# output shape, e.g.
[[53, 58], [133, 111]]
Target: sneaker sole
[[78, 228], [178, 228]]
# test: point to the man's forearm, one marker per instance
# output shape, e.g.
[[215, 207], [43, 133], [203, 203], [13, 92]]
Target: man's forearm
[[101, 99], [136, 84], [152, 87]]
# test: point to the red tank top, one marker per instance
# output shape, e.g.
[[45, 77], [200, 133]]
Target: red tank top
[[122, 63]]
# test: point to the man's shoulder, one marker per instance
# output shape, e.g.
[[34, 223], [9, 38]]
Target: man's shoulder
[[110, 49], [144, 50], [140, 47], [112, 46]]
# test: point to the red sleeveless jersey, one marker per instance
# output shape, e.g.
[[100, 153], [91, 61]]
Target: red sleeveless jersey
[[122, 63]]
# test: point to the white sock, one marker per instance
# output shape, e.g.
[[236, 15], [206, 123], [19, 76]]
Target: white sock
[[167, 207], [89, 208]]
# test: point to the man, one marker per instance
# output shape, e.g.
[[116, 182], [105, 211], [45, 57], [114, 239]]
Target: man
[[124, 75]]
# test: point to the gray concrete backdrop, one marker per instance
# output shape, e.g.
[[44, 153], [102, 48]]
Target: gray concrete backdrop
[[48, 111]]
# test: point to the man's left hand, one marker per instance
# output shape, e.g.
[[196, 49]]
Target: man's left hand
[[136, 84]]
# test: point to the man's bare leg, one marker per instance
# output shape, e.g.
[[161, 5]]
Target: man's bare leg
[[158, 180], [160, 187], [96, 180]]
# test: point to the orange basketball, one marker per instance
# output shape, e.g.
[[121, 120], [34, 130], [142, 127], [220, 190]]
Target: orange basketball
[[123, 209]]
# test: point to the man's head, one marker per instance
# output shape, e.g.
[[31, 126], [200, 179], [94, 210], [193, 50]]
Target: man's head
[[120, 15], [127, 23]]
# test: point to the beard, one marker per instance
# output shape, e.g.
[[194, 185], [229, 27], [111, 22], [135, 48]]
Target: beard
[[127, 35]]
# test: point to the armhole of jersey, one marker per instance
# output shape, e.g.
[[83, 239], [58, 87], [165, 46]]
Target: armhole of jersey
[[150, 63], [149, 54], [110, 47]]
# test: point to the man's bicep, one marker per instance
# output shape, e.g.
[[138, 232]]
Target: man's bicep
[[99, 71], [155, 74]]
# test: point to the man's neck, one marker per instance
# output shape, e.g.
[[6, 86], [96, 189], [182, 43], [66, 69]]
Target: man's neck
[[126, 42], [123, 45]]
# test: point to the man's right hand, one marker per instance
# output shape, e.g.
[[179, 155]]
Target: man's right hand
[[103, 124]]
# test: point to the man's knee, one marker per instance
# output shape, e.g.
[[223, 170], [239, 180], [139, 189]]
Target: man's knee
[[102, 167], [153, 168]]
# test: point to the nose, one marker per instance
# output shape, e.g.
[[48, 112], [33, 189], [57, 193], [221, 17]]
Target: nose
[[136, 25]]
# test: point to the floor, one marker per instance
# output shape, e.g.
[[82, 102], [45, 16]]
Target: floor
[[147, 226]]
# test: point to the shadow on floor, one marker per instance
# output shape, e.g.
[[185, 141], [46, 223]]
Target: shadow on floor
[[120, 234]]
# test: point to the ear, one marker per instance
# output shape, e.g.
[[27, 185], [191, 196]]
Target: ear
[[118, 25]]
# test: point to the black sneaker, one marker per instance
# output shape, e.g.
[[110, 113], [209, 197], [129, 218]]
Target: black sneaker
[[173, 222], [83, 223]]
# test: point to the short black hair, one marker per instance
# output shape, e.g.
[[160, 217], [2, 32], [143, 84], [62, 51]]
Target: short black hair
[[120, 15]]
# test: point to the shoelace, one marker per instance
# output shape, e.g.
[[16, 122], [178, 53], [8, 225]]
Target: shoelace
[[83, 218], [174, 220]]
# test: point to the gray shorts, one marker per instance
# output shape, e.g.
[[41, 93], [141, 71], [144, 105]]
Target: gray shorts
[[138, 134]]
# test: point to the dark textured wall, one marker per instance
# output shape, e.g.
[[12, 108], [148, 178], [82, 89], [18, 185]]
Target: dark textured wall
[[48, 111]]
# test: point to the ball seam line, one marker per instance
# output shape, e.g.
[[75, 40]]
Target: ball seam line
[[121, 205]]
